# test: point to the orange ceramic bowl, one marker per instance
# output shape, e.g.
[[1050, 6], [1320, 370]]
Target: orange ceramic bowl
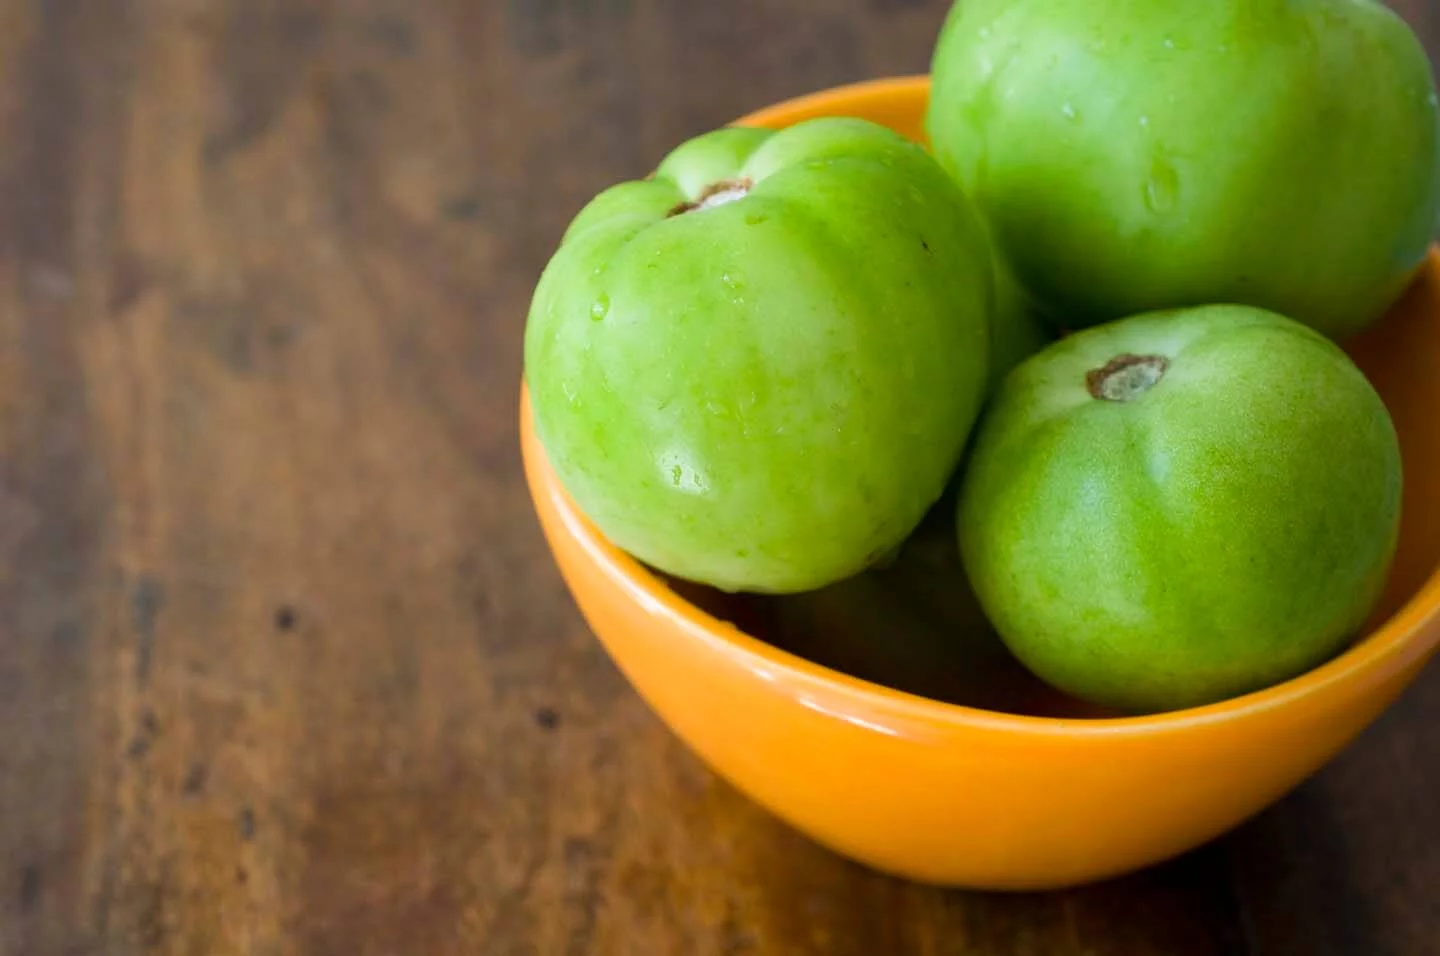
[[961, 796]]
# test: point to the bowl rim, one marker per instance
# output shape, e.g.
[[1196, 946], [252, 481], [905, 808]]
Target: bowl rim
[[1410, 634]]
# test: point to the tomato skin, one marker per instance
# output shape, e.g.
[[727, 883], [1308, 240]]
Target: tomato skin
[[1227, 527], [1134, 155], [765, 393]]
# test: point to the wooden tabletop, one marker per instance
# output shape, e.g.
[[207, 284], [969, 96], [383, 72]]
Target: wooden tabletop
[[285, 666]]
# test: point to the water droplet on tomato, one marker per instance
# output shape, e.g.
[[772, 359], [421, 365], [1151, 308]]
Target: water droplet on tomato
[[600, 307], [684, 472], [1162, 188]]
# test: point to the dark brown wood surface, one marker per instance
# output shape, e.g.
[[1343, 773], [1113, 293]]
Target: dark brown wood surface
[[284, 664]]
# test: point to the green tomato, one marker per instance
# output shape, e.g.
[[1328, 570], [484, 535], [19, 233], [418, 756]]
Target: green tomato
[[757, 369], [1181, 506], [1134, 155]]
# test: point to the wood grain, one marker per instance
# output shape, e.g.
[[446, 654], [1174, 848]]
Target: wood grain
[[284, 663]]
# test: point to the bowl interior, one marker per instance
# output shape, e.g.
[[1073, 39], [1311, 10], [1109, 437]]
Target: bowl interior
[[910, 628]]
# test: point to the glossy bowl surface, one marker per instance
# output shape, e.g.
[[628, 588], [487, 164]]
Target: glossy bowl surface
[[958, 795]]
